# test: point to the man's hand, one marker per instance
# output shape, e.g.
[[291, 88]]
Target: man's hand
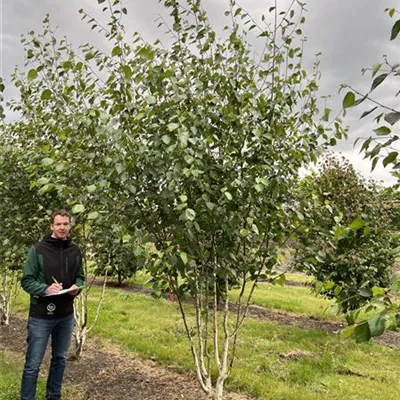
[[75, 291], [54, 288]]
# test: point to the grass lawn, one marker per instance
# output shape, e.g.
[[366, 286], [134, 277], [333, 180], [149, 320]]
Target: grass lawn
[[297, 299], [275, 362], [10, 381]]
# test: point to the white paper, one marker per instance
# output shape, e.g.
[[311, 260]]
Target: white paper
[[71, 289]]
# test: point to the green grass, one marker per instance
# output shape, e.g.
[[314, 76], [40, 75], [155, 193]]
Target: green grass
[[328, 367], [275, 362], [298, 277], [295, 299], [10, 377]]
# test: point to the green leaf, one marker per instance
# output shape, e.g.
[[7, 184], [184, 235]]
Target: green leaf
[[116, 51], [210, 205], [184, 257], [100, 1], [190, 214], [377, 81], [349, 100], [390, 158], [32, 74], [120, 168], [367, 231], [189, 159], [89, 56], [93, 215], [339, 232], [357, 224], [336, 309], [329, 284], [244, 232], [349, 331], [392, 117], [395, 30], [382, 131], [365, 293], [150, 99], [166, 139], [46, 94], [78, 208], [127, 238], [255, 229], [259, 188], [375, 151], [228, 196], [183, 198], [46, 188], [365, 113], [42, 181], [91, 188], [172, 126], [374, 163], [127, 71], [378, 291], [47, 161], [362, 332], [375, 69], [376, 326]]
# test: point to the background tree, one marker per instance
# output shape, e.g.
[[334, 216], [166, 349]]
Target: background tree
[[348, 243], [20, 216], [382, 145], [63, 138]]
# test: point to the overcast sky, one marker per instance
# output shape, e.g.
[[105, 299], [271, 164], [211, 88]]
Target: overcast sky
[[350, 34]]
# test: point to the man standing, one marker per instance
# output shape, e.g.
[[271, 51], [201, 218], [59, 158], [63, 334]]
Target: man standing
[[53, 264]]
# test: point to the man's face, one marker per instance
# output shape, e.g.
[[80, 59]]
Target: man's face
[[60, 227]]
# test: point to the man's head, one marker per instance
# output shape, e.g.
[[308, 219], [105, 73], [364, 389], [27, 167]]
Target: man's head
[[60, 224]]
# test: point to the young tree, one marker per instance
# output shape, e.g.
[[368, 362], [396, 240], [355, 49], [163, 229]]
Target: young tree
[[213, 137]]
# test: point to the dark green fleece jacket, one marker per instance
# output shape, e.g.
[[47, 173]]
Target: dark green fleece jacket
[[52, 258]]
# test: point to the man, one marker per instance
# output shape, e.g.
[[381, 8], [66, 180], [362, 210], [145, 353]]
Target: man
[[53, 264]]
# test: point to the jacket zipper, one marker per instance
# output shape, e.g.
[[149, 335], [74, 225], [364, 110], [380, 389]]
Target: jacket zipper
[[62, 264]]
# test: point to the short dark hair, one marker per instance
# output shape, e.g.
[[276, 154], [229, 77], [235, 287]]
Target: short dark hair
[[62, 213]]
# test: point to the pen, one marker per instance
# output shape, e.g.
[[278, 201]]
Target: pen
[[54, 280]]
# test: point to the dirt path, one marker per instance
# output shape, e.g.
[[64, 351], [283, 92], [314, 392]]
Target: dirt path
[[111, 374]]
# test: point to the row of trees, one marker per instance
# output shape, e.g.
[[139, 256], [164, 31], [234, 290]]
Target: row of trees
[[185, 160]]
